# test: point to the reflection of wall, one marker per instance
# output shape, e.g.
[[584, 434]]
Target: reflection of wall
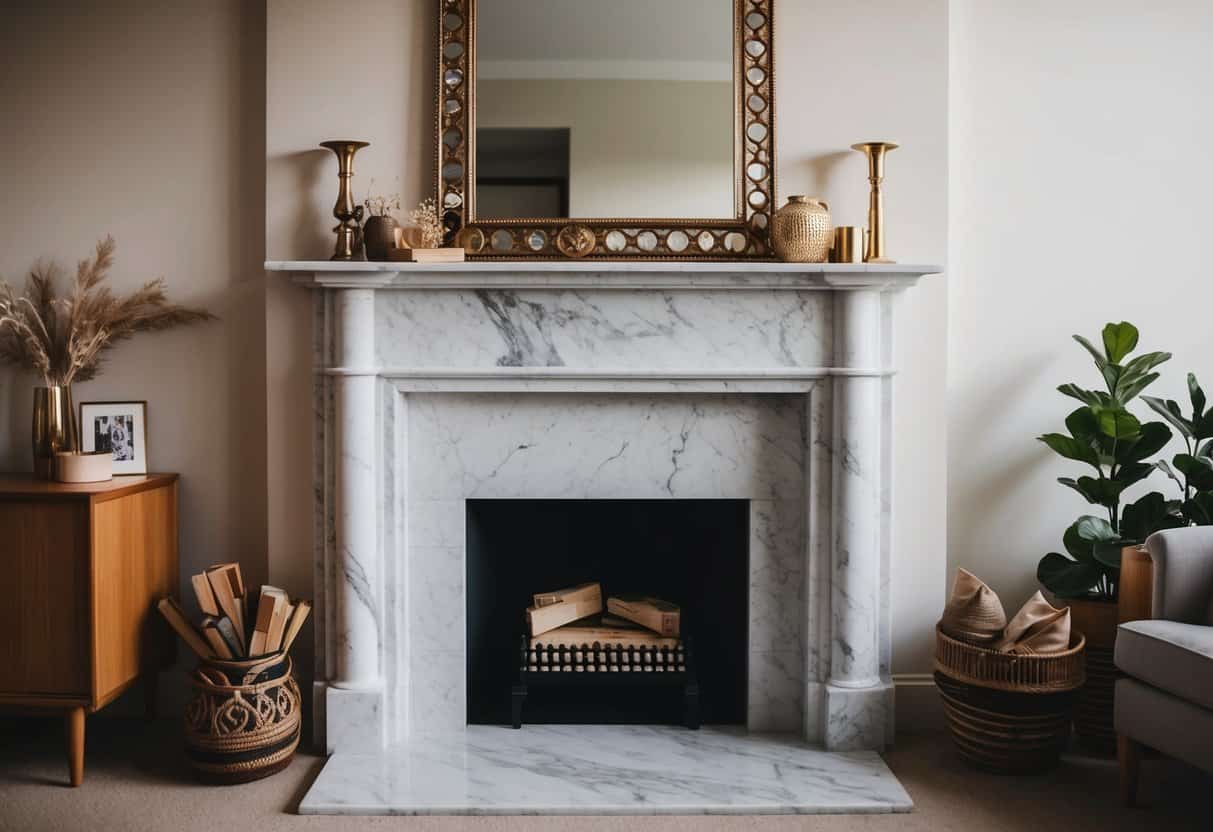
[[638, 148]]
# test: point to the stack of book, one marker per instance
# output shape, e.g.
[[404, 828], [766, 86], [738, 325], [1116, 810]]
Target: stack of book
[[234, 626], [569, 631]]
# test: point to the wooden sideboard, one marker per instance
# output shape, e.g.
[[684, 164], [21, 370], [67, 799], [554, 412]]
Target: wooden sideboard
[[81, 567]]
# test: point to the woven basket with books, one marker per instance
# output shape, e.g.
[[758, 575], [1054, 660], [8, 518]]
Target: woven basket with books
[[1008, 688]]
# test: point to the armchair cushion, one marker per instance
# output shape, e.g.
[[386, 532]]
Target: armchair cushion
[[1171, 656], [1183, 574]]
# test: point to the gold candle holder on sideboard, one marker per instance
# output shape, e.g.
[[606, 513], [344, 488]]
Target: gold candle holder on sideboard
[[348, 214], [875, 151]]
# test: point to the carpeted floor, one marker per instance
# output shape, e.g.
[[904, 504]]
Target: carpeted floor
[[135, 779]]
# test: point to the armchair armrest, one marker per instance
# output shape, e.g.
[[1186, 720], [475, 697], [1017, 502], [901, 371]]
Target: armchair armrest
[[1183, 574]]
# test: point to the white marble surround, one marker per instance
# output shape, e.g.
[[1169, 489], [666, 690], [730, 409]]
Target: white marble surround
[[435, 384]]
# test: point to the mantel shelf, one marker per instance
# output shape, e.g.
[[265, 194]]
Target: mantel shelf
[[580, 274]]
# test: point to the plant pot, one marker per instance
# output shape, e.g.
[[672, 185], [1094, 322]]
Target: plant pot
[[244, 719], [54, 428], [1098, 620], [379, 237]]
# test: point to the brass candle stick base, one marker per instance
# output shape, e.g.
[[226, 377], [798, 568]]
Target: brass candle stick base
[[875, 151], [348, 214]]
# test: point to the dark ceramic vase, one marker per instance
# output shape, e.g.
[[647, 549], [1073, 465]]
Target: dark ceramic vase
[[379, 237]]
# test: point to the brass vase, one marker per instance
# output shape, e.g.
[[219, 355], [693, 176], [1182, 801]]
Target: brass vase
[[801, 231], [54, 429], [348, 215]]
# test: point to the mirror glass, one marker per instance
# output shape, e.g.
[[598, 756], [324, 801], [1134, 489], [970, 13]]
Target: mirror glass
[[596, 109]]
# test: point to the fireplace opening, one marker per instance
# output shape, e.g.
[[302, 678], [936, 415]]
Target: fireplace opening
[[693, 553]]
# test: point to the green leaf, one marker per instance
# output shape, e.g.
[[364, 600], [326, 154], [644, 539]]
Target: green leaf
[[1119, 340], [1197, 396], [1153, 438], [1107, 552], [1146, 362], [1205, 449], [1131, 473], [1066, 578], [1082, 425], [1147, 515], [1111, 375], [1078, 548], [1092, 398], [1099, 491], [1170, 411], [1198, 470], [1100, 361], [1071, 448], [1130, 385], [1199, 509], [1118, 423], [1202, 428], [1094, 528], [1165, 467]]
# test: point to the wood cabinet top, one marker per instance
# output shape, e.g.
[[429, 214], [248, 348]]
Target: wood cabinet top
[[25, 486]]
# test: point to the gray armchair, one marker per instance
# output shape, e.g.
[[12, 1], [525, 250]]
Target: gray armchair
[[1166, 700]]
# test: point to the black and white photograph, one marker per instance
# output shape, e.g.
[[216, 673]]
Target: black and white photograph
[[118, 427]]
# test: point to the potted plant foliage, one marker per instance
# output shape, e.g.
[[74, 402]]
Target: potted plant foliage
[[1192, 470], [1103, 435]]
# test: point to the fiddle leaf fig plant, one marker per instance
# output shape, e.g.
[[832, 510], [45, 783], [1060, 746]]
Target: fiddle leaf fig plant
[[1192, 471], [1105, 436]]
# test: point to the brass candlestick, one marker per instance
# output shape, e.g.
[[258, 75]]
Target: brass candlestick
[[347, 213], [875, 151]]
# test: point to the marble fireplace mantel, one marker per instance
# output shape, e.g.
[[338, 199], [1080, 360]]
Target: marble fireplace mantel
[[407, 351]]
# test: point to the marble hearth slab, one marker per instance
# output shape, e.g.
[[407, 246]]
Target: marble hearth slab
[[597, 769]]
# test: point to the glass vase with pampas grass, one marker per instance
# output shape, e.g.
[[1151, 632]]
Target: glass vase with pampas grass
[[63, 338]]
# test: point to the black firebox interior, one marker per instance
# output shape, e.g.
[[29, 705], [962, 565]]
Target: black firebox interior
[[692, 552]]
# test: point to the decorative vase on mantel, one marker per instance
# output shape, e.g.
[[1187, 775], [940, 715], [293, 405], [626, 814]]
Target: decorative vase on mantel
[[54, 428]]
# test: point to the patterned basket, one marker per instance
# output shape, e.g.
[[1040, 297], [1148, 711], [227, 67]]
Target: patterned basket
[[1008, 713], [244, 720]]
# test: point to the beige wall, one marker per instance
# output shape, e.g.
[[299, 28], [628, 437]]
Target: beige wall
[[636, 148], [1079, 194], [145, 120]]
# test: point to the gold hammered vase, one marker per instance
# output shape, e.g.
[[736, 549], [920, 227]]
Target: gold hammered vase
[[801, 231], [54, 428]]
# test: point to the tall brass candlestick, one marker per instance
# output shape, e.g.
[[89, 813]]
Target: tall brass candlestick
[[347, 213], [875, 151]]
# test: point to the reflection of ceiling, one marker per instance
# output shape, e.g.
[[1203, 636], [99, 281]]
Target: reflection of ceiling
[[634, 39]]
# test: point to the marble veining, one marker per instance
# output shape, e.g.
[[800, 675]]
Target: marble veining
[[593, 329], [589, 769]]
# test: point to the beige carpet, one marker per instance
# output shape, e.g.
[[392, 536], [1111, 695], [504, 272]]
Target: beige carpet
[[135, 780]]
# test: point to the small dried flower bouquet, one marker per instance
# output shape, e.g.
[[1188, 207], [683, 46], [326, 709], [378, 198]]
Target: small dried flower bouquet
[[427, 235]]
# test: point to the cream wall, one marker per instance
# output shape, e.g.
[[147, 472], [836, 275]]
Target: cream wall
[[383, 94], [1079, 192], [145, 120], [636, 148]]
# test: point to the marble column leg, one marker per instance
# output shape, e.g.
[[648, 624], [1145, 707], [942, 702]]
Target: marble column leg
[[354, 699], [856, 698]]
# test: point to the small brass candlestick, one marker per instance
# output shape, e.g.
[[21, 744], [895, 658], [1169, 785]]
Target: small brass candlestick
[[347, 213], [875, 151]]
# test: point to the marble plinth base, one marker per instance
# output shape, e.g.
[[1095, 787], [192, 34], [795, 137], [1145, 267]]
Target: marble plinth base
[[597, 769], [353, 719], [858, 718]]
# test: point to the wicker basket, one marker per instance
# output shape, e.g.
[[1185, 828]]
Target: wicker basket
[[244, 720], [1008, 713]]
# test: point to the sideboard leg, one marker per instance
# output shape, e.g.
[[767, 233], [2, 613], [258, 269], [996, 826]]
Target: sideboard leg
[[517, 699], [73, 722]]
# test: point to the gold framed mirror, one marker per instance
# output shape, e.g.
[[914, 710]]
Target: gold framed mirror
[[630, 129]]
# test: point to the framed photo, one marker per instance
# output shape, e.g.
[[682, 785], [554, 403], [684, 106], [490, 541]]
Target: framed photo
[[120, 427]]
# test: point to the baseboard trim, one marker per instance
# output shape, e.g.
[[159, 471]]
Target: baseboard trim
[[917, 704]]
